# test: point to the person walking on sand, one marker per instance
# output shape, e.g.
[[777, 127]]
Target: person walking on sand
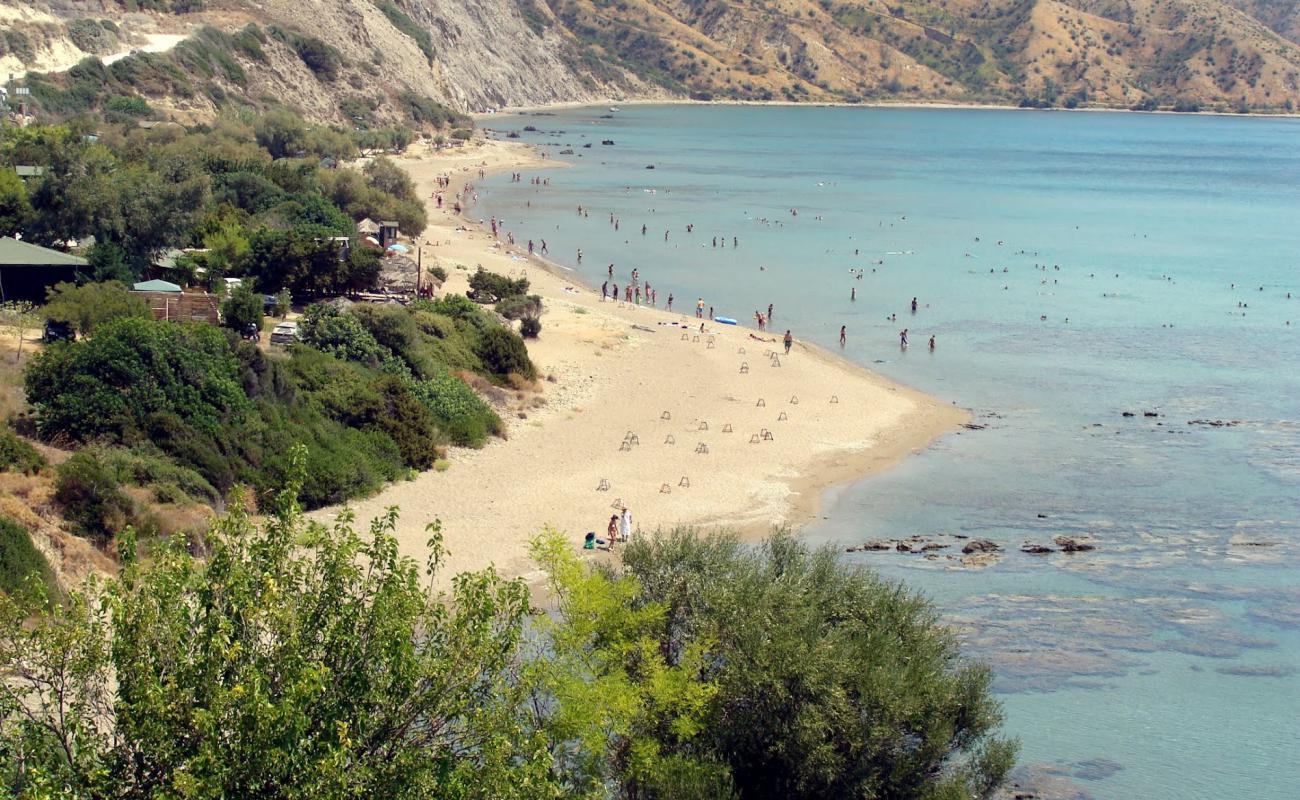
[[789, 340], [843, 334], [604, 291], [530, 247], [625, 526]]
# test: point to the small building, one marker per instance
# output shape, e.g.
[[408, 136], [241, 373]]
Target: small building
[[387, 233], [27, 271], [168, 301], [368, 227], [26, 171]]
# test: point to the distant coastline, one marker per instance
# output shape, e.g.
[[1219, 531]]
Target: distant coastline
[[481, 117]]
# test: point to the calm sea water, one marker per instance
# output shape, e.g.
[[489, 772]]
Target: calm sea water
[[1071, 267]]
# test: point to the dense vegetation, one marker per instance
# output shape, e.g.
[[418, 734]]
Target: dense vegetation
[[20, 561], [189, 412], [305, 661]]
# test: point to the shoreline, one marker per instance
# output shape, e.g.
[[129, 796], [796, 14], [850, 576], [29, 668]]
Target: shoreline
[[603, 368], [939, 105]]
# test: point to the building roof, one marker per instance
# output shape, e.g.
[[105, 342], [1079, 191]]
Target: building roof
[[389, 223], [14, 253], [28, 171], [155, 286], [367, 225]]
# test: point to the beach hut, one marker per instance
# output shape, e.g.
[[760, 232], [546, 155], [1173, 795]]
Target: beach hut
[[368, 227], [27, 271]]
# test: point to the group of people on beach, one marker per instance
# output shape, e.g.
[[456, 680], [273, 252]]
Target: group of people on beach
[[619, 529]]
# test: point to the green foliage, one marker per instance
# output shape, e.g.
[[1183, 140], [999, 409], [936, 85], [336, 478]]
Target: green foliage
[[503, 352], [308, 261], [427, 111], [282, 133], [91, 498], [128, 373], [321, 58], [530, 327], [90, 305], [329, 330], [272, 669], [520, 306], [831, 682], [489, 287], [15, 209], [242, 310], [18, 455], [123, 109], [20, 561], [458, 411], [632, 716], [145, 465], [409, 27]]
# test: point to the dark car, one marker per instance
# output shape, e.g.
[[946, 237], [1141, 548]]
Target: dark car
[[56, 331]]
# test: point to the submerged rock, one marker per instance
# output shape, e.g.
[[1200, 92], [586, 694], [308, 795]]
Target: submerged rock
[[980, 546], [1035, 548], [1070, 545]]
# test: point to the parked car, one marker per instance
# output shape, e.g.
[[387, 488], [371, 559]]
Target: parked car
[[59, 332], [284, 333]]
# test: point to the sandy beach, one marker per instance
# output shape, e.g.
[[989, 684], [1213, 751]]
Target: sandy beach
[[637, 407]]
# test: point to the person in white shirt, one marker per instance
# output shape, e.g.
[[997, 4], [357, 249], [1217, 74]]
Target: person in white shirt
[[625, 525]]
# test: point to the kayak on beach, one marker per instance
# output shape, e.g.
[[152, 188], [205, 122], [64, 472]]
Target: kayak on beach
[[725, 320]]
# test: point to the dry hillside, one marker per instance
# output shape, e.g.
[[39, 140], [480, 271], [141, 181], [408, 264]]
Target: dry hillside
[[365, 60]]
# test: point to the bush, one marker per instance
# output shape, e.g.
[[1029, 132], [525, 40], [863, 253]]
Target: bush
[[319, 57], [341, 335], [489, 287], [458, 411], [520, 306], [242, 311], [93, 304], [503, 352], [91, 499], [20, 559], [831, 682], [18, 455], [530, 327], [130, 371]]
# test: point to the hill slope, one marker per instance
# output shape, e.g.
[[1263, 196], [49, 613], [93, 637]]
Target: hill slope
[[354, 60]]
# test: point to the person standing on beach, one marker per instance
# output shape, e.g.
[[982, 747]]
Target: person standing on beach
[[769, 312], [625, 525], [699, 308], [530, 247], [843, 334], [670, 301], [789, 340], [604, 291], [611, 532]]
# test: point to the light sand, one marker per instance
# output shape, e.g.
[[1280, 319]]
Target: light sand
[[829, 421]]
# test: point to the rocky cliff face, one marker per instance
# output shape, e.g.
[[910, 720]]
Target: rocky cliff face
[[475, 55]]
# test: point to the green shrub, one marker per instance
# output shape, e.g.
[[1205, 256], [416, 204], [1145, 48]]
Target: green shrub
[[242, 310], [503, 352], [18, 455], [20, 559], [91, 498], [126, 108], [489, 287], [530, 327], [90, 305], [409, 27], [320, 58], [458, 410], [520, 306], [341, 335], [145, 465]]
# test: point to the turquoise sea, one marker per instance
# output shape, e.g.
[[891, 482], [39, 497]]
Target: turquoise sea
[[1072, 267]]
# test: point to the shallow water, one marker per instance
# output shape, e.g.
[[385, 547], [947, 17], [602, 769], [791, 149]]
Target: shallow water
[[1164, 664]]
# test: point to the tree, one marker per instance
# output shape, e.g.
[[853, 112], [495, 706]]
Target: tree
[[615, 710], [131, 370], [242, 310], [831, 682], [282, 133], [19, 317], [297, 661], [15, 209], [90, 305]]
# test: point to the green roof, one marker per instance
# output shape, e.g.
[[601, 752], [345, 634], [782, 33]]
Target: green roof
[[155, 286], [14, 253]]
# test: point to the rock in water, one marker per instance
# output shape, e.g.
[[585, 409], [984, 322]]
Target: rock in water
[[980, 546]]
